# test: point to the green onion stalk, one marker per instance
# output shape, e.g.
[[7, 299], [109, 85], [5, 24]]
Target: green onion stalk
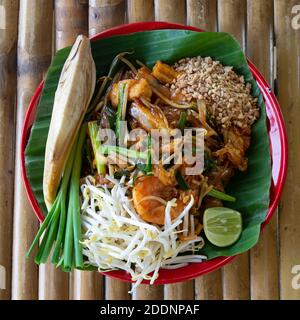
[[106, 149], [73, 249], [182, 121], [121, 110], [61, 229], [148, 168], [213, 192], [93, 129], [221, 195], [181, 181]]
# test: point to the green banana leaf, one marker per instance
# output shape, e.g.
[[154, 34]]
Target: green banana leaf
[[251, 188]]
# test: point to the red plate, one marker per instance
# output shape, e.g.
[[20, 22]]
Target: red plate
[[278, 148]]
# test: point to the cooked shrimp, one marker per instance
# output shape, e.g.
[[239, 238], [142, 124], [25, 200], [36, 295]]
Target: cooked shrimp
[[150, 198], [148, 117]]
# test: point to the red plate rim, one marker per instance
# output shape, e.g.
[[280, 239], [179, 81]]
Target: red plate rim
[[278, 148]]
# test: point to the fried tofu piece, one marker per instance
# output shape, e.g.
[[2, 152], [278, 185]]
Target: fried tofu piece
[[114, 93], [164, 73], [140, 89], [236, 144], [136, 89]]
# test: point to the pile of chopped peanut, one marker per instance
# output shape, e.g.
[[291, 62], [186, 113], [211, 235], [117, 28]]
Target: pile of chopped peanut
[[226, 94]]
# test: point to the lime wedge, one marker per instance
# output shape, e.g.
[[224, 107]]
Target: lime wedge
[[222, 226]]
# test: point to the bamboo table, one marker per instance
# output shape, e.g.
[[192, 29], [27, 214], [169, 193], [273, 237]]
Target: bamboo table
[[31, 31]]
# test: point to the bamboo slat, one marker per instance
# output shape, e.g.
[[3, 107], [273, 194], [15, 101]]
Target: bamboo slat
[[180, 291], [53, 283], [232, 18], [209, 286], [71, 19], [49, 279], [236, 279], [143, 10], [104, 14], [116, 290], [8, 77], [147, 292], [287, 33], [202, 14], [34, 55], [260, 40], [174, 11], [264, 256], [87, 285], [140, 10], [170, 11]]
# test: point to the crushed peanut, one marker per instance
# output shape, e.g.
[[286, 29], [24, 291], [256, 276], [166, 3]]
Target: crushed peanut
[[227, 96]]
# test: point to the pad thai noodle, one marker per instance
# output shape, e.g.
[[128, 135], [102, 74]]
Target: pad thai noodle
[[159, 145]]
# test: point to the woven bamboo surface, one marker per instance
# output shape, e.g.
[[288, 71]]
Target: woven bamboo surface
[[31, 31]]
